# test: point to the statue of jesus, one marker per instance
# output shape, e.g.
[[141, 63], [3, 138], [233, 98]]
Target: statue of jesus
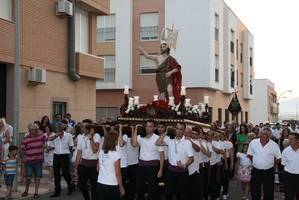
[[168, 73]]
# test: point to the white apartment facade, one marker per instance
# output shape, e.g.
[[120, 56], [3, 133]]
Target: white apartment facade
[[214, 48]]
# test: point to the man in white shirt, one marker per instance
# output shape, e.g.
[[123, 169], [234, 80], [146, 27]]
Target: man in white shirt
[[264, 153], [180, 157], [62, 144], [215, 163], [87, 160], [151, 161], [290, 160], [276, 132]]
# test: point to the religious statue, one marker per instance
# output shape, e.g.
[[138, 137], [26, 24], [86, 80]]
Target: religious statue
[[168, 73]]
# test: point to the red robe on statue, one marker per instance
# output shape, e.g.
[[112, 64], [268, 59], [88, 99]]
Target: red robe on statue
[[176, 79]]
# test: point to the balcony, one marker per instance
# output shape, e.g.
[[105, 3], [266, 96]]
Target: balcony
[[100, 7], [90, 66]]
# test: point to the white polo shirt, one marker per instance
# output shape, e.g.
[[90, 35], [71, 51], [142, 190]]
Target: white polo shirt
[[277, 133], [207, 146], [133, 153], [290, 159], [178, 150], [123, 153], [83, 144], [62, 145], [194, 167], [148, 149], [215, 157], [107, 161], [263, 156]]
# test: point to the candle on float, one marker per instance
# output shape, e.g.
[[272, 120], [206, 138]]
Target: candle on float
[[201, 107], [183, 90], [126, 90], [206, 99], [131, 101], [171, 101], [188, 102], [156, 97], [136, 100]]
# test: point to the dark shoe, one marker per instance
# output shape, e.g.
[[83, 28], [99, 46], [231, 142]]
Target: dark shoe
[[25, 194], [35, 196], [55, 195]]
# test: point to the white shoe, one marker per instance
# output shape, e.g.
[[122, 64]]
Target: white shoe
[[224, 197]]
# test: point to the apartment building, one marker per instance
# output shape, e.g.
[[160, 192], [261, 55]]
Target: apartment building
[[57, 55], [264, 106], [214, 48]]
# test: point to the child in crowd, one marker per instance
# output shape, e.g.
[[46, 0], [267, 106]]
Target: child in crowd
[[10, 168], [243, 169]]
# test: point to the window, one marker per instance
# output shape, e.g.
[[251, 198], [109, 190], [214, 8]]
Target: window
[[237, 49], [82, 31], [216, 68], [226, 115], [106, 28], [216, 27], [220, 115], [149, 26], [232, 39], [246, 117], [242, 117], [104, 112], [232, 76], [6, 9], [109, 67], [59, 108], [237, 77], [242, 79], [241, 53], [251, 56], [147, 66], [250, 86], [210, 110]]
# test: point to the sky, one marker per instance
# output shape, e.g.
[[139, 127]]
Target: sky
[[275, 26]]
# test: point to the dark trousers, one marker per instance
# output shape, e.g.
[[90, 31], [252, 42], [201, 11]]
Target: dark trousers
[[205, 173], [132, 174], [62, 163], [265, 178], [215, 181], [194, 185], [291, 186], [226, 177], [107, 192], [147, 174], [124, 175], [88, 174], [176, 185]]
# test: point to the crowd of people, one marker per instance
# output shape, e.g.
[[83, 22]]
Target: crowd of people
[[112, 160]]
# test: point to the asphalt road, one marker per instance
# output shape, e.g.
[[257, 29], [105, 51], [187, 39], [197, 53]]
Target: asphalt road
[[235, 193]]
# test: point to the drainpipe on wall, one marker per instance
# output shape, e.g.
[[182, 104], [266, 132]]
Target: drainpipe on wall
[[16, 87], [74, 76]]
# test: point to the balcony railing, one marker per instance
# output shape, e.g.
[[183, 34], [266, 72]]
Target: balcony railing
[[106, 34], [149, 32]]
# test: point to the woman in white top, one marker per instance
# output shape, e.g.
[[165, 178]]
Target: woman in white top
[[110, 184], [243, 170], [48, 151], [5, 136]]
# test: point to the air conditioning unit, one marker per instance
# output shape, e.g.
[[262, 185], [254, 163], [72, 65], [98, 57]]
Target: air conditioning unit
[[64, 7], [35, 76]]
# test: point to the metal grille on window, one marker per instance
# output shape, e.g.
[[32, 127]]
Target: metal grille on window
[[59, 108], [106, 34], [149, 33], [147, 66], [109, 74]]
